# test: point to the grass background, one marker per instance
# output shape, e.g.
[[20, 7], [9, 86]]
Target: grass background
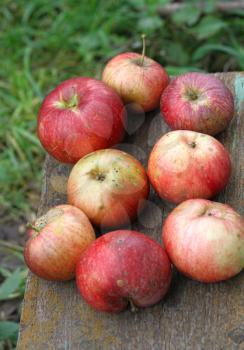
[[43, 42]]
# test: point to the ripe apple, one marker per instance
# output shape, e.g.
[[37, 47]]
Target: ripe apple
[[110, 186], [185, 164], [199, 102], [123, 267], [205, 240], [79, 116], [56, 241], [138, 79]]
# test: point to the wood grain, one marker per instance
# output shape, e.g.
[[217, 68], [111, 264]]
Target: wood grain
[[192, 316]]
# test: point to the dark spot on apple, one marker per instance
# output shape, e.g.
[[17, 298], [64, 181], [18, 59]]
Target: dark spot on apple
[[193, 144], [153, 284]]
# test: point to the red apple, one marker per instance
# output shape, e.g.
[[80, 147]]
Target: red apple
[[138, 79], [199, 102], [56, 242], [110, 186], [205, 240], [79, 116], [185, 164], [123, 267]]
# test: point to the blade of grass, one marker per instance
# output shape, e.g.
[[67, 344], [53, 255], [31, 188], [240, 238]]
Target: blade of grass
[[10, 285]]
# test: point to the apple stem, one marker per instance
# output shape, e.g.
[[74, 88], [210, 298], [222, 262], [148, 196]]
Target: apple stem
[[33, 227], [143, 36], [133, 307], [72, 103]]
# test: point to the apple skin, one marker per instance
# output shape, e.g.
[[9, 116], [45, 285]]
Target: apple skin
[[139, 85], [199, 102], [120, 267], [79, 116], [205, 240], [64, 233], [110, 186], [185, 164]]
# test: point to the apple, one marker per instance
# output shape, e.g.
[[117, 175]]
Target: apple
[[137, 79], [123, 267], [199, 102], [185, 164], [56, 241], [79, 116], [205, 240], [110, 186]]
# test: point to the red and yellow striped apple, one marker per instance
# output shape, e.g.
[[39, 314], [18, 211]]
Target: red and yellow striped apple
[[137, 79], [79, 116], [110, 186], [199, 102], [185, 164], [205, 240], [56, 241]]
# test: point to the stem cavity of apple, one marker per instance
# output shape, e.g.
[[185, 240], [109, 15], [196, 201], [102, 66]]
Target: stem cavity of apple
[[143, 36], [100, 177], [42, 221], [97, 174], [66, 104], [192, 94]]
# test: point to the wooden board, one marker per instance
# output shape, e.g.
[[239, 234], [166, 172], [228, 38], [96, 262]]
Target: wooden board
[[193, 315]]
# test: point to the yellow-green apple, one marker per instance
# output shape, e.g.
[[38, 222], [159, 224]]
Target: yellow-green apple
[[110, 186], [138, 79], [199, 102], [121, 268], [56, 241], [79, 116], [186, 164], [205, 240]]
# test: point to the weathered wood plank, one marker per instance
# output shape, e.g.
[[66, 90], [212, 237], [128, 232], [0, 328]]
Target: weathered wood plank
[[193, 316]]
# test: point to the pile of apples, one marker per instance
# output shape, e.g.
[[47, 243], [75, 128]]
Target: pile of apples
[[80, 122]]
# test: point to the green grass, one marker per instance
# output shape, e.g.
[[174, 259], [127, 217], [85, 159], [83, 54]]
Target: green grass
[[43, 42]]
